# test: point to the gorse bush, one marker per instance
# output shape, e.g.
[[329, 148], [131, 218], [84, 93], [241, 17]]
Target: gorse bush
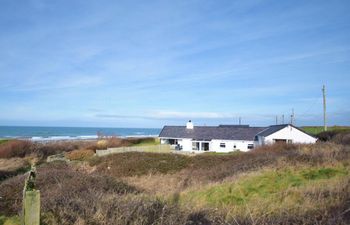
[[82, 154], [336, 136]]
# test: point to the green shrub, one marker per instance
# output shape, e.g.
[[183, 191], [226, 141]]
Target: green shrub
[[322, 173]]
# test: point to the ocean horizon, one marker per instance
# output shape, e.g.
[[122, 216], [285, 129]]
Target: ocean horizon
[[42, 133]]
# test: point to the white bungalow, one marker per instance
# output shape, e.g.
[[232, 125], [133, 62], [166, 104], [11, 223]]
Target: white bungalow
[[227, 138]]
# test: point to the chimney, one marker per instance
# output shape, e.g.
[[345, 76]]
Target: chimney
[[189, 125]]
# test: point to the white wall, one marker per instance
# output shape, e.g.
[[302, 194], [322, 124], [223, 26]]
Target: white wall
[[214, 145], [186, 144], [290, 133], [240, 145]]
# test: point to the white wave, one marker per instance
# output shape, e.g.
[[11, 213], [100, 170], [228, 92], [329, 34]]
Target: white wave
[[87, 137], [141, 136], [59, 138]]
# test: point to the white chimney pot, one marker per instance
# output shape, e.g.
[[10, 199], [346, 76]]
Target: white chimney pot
[[189, 125]]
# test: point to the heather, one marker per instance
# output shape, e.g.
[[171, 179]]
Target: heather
[[277, 184]]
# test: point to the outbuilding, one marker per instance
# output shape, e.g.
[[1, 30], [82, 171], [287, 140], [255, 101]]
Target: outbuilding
[[284, 133]]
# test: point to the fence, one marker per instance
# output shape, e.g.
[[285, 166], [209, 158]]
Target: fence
[[31, 201], [147, 148]]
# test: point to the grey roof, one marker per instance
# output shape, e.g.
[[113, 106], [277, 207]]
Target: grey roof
[[274, 128], [271, 129], [230, 132]]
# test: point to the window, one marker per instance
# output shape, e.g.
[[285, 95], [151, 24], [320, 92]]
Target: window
[[290, 141], [250, 146], [195, 146], [222, 145]]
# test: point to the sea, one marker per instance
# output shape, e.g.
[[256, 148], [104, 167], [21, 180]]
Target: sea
[[35, 133]]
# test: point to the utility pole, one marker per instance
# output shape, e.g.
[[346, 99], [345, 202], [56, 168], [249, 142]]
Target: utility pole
[[324, 108], [282, 118], [240, 120], [276, 120]]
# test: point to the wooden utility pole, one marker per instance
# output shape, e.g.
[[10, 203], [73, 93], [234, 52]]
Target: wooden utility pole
[[324, 108], [282, 118], [276, 120], [240, 120]]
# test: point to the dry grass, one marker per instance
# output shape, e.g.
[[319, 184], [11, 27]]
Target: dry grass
[[82, 154], [12, 167], [12, 164], [299, 184], [72, 197], [24, 148], [139, 163]]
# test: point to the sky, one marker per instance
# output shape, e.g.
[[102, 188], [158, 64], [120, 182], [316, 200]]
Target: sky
[[151, 63]]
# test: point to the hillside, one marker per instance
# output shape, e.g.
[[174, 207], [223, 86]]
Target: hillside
[[315, 130], [279, 184]]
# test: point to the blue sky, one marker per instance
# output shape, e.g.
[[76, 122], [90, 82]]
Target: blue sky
[[150, 63]]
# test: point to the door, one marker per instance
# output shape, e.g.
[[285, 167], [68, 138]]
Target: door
[[205, 146]]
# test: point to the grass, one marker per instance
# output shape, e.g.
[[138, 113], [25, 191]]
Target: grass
[[278, 184], [270, 187], [3, 141], [314, 130], [12, 167], [13, 220], [147, 141], [139, 163]]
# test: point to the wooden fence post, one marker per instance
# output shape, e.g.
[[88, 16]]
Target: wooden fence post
[[31, 201]]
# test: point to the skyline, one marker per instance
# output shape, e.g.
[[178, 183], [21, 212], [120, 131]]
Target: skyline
[[149, 64]]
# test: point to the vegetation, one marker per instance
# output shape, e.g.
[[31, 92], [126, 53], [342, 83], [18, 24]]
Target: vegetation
[[145, 141], [274, 189], [81, 154], [315, 130], [13, 220], [3, 141], [278, 184], [137, 163], [12, 167], [25, 148]]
